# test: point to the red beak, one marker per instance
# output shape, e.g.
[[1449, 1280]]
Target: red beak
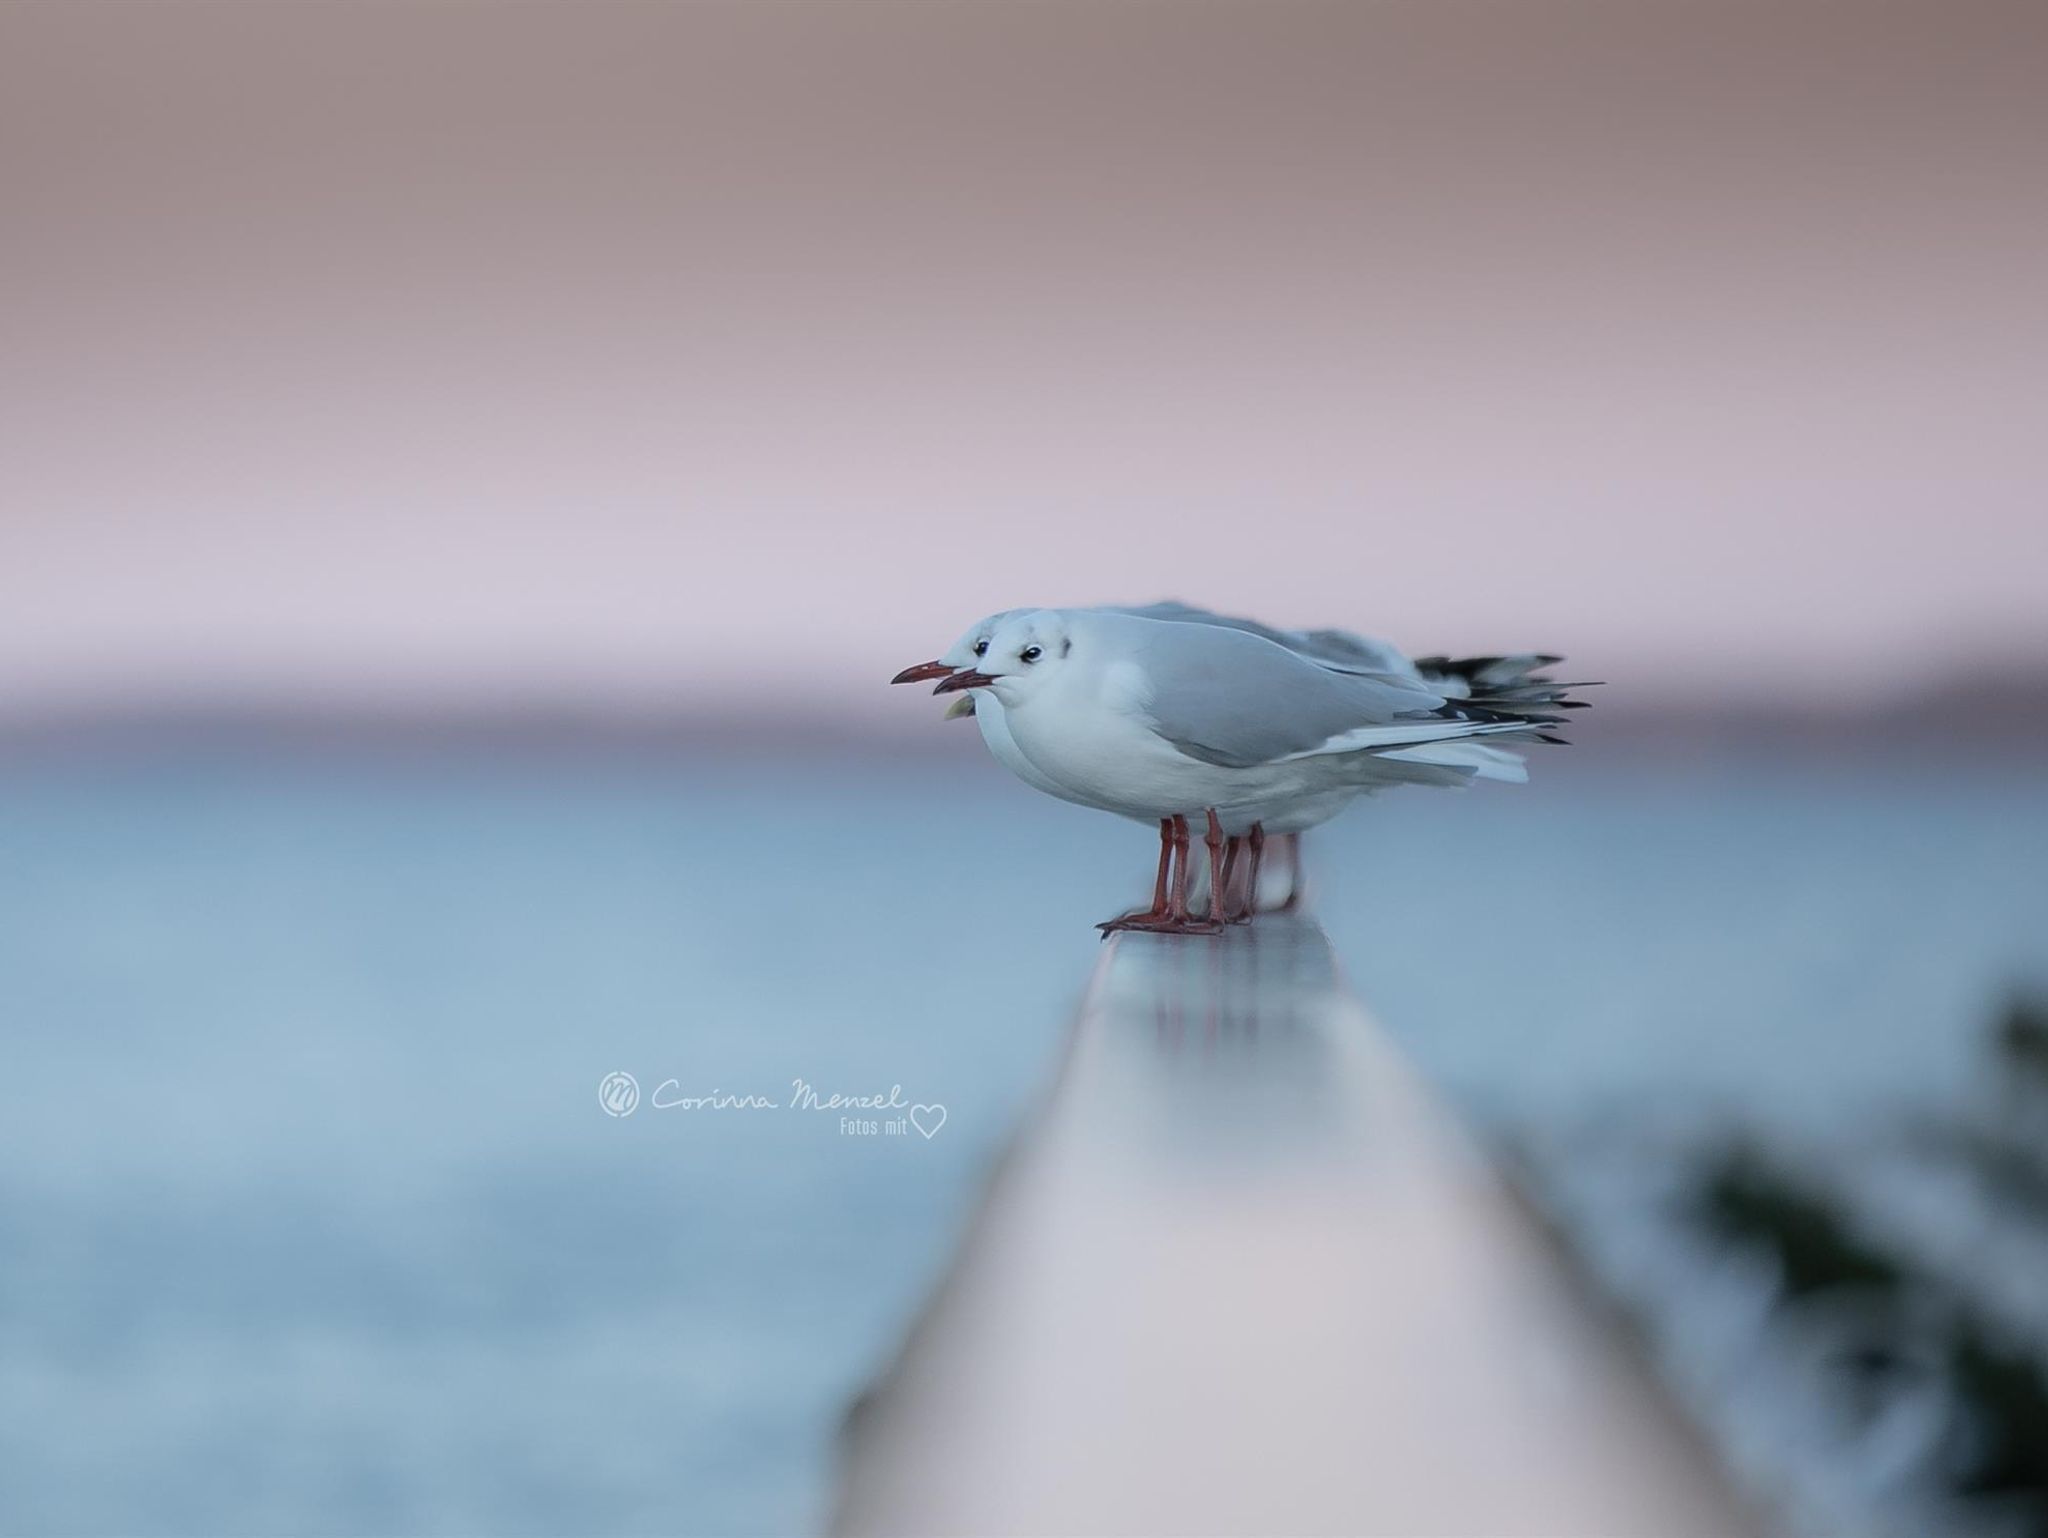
[[963, 681], [921, 672]]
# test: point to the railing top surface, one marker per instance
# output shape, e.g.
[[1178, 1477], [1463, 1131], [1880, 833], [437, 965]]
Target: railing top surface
[[1242, 1273]]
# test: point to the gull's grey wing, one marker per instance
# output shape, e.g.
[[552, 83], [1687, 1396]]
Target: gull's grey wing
[[1352, 653], [1340, 650], [1228, 697], [1189, 614]]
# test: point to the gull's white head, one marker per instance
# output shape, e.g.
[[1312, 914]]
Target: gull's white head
[[1024, 650], [975, 639], [963, 653], [960, 657]]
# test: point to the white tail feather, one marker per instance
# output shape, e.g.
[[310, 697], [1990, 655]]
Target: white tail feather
[[1484, 762], [1408, 734]]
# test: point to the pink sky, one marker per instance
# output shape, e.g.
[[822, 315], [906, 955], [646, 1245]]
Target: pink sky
[[642, 352]]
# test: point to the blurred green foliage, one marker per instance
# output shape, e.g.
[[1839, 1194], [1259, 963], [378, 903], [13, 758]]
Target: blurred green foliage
[[1991, 1455]]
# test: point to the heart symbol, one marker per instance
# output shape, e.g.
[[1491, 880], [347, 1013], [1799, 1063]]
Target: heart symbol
[[935, 1114]]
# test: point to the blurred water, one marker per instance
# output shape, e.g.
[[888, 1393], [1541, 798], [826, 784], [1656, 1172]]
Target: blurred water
[[310, 1217]]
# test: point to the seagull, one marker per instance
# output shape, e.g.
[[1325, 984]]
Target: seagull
[[1163, 720], [1340, 650]]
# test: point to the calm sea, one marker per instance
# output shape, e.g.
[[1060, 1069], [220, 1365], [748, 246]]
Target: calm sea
[[311, 1218]]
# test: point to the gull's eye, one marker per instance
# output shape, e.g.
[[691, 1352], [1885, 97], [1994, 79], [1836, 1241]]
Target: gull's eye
[[1031, 654], [981, 647]]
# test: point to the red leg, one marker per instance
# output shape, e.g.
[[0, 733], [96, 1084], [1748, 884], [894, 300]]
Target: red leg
[[1183, 922], [1149, 917], [1173, 908], [1214, 839], [1233, 857], [1179, 906], [1257, 846], [1178, 921]]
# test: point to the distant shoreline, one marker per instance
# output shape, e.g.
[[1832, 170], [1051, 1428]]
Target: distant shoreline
[[1961, 719]]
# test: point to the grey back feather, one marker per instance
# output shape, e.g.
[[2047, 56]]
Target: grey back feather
[[1338, 649], [1233, 698]]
